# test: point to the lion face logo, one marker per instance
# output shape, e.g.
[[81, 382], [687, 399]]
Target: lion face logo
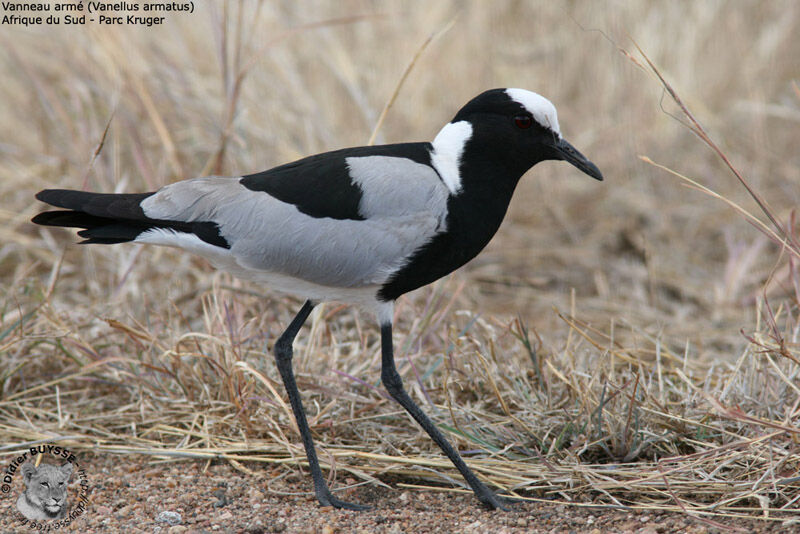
[[45, 495]]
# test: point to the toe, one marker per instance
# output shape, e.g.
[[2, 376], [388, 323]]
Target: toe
[[495, 502], [330, 500]]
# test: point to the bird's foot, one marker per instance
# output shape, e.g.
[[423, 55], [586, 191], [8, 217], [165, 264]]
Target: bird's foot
[[493, 501], [326, 498]]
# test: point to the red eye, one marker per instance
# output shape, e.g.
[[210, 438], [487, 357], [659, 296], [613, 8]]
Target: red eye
[[523, 121]]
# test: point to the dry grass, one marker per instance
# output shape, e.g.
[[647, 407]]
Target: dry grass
[[637, 340]]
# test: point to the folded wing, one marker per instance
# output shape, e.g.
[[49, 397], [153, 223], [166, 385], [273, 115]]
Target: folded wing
[[343, 219]]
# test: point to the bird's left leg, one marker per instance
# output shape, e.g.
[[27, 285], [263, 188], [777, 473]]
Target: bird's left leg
[[394, 385]]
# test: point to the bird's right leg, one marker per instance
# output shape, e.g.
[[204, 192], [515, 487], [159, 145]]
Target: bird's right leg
[[283, 358]]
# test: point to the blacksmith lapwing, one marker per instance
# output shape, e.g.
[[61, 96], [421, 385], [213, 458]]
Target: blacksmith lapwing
[[361, 225]]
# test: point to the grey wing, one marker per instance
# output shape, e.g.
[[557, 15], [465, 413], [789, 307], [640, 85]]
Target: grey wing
[[402, 206]]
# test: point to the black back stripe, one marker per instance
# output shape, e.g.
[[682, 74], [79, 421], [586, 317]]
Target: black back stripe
[[321, 185]]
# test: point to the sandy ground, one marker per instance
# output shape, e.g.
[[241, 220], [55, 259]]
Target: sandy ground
[[132, 495], [659, 267]]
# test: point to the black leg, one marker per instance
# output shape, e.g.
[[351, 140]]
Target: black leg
[[283, 357], [394, 385]]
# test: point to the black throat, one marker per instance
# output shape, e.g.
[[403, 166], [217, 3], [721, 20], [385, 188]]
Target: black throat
[[473, 217]]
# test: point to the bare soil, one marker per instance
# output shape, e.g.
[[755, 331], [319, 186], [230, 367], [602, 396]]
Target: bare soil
[[130, 495]]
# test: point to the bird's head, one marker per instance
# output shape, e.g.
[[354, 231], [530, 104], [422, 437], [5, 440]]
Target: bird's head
[[512, 129]]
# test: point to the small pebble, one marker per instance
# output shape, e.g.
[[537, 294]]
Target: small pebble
[[171, 518], [225, 516]]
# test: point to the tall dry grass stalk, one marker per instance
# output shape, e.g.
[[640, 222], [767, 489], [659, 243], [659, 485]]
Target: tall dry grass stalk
[[629, 344]]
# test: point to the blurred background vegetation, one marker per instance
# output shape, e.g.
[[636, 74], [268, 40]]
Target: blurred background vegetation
[[606, 323]]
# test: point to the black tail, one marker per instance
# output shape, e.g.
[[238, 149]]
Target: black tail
[[105, 218], [113, 218]]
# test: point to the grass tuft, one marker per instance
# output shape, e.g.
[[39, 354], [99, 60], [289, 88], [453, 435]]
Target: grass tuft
[[671, 383]]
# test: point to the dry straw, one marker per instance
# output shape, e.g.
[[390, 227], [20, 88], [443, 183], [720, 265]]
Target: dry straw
[[670, 384]]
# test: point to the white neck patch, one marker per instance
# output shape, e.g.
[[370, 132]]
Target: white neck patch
[[543, 111], [448, 147]]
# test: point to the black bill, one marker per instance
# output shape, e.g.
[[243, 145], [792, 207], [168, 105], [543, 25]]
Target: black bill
[[569, 153]]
